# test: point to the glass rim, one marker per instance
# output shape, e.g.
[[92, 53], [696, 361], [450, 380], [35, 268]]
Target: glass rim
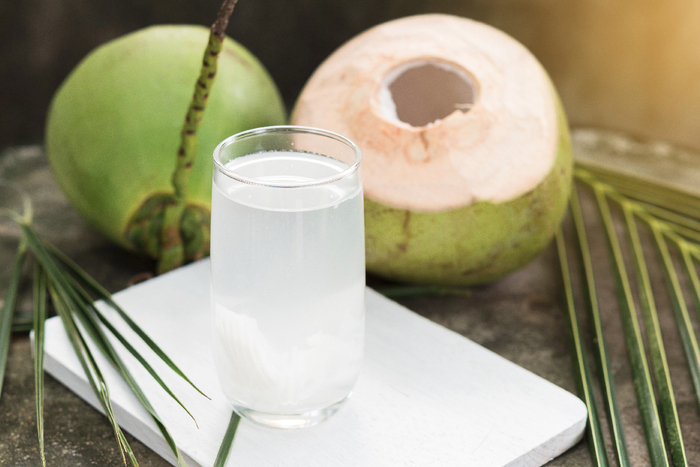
[[287, 129]]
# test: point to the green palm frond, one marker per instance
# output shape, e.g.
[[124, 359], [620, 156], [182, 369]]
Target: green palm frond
[[8, 309], [601, 352], [583, 377], [662, 374], [62, 285], [40, 290], [227, 442], [75, 306], [633, 336], [672, 219]]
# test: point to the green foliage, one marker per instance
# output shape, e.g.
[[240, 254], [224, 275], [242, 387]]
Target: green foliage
[[672, 218]]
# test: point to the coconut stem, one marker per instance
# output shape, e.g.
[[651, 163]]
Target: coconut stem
[[172, 253]]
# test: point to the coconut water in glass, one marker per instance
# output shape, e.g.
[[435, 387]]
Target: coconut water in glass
[[287, 273]]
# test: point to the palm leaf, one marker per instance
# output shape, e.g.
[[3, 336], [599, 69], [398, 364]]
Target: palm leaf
[[664, 225], [90, 368], [8, 308], [40, 287], [693, 275], [680, 308], [93, 314], [583, 372], [227, 441], [607, 382], [671, 216], [640, 368], [76, 303], [680, 222], [648, 191], [84, 283], [90, 323], [659, 361], [141, 360]]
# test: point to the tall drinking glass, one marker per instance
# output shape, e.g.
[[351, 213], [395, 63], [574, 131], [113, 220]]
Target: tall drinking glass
[[287, 273]]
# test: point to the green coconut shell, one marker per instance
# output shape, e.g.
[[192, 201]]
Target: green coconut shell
[[466, 157], [474, 244], [114, 125]]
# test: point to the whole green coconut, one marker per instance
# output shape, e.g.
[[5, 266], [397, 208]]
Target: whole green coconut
[[114, 125], [466, 155]]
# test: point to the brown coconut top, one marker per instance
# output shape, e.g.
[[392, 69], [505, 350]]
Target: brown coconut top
[[446, 111]]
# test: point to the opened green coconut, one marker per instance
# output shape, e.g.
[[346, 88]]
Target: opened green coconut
[[466, 152], [114, 127]]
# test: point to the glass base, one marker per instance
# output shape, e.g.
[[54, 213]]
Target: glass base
[[289, 421]]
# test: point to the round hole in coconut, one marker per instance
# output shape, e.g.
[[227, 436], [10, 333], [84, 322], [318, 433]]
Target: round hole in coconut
[[423, 92]]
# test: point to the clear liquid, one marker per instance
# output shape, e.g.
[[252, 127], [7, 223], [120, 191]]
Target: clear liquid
[[288, 284]]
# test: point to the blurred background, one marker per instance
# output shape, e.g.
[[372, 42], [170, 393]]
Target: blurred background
[[630, 65]]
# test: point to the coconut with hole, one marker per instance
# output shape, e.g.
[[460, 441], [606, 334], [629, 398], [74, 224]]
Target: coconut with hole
[[466, 154]]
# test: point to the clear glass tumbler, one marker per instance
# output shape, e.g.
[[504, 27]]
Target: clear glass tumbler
[[287, 273]]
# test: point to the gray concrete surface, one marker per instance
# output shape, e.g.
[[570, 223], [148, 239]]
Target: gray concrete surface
[[519, 317]]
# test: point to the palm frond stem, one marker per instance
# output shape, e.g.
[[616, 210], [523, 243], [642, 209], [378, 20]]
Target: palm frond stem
[[659, 361], [607, 381], [636, 353], [582, 373]]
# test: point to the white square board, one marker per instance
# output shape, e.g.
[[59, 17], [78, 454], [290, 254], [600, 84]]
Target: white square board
[[426, 396]]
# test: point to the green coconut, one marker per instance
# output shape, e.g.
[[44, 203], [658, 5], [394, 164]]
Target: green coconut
[[466, 154], [113, 130]]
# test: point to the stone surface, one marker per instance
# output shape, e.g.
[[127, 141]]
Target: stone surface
[[520, 317]]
